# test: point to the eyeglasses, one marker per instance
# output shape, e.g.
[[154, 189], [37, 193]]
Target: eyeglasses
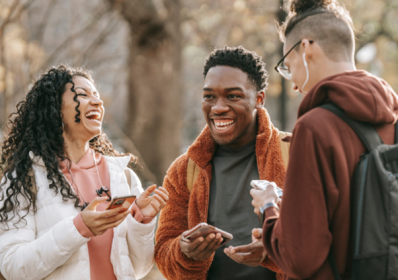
[[281, 68]]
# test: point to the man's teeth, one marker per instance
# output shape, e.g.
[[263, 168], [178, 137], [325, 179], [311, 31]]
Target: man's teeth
[[222, 125], [93, 113]]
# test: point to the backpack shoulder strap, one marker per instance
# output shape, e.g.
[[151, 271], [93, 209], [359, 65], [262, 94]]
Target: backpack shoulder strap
[[128, 176], [284, 146], [192, 174], [366, 133]]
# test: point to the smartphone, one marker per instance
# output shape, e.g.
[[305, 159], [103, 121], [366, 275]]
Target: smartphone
[[122, 202], [262, 185], [204, 229]]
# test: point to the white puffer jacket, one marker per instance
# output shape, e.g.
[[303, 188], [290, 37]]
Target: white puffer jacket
[[48, 245]]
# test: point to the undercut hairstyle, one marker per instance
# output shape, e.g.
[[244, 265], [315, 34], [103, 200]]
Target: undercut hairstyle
[[240, 58], [36, 126], [326, 22]]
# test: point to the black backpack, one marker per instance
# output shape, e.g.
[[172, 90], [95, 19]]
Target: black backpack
[[374, 206]]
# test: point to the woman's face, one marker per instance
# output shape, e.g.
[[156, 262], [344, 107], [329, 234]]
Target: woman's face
[[91, 110]]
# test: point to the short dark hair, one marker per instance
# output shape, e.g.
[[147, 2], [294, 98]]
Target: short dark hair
[[243, 59], [325, 21]]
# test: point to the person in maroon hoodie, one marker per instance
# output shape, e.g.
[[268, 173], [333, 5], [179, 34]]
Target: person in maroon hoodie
[[315, 213]]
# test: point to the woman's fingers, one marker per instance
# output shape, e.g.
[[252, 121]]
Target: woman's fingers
[[156, 207], [149, 190], [105, 227], [165, 190], [160, 201], [109, 213], [93, 204], [162, 194], [112, 219]]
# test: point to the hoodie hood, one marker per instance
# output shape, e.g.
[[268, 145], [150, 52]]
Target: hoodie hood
[[361, 95]]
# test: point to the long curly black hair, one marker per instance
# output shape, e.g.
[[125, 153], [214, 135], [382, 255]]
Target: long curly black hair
[[36, 127], [241, 58]]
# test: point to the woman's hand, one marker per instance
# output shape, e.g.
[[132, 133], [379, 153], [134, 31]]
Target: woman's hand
[[151, 205], [100, 222], [260, 198]]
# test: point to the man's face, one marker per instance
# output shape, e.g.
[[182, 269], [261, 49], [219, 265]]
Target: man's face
[[295, 62], [229, 106]]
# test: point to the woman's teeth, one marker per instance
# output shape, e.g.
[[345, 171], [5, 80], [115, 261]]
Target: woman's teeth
[[93, 115], [222, 125]]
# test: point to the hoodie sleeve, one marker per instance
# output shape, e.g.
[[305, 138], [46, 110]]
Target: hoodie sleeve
[[173, 222], [298, 238]]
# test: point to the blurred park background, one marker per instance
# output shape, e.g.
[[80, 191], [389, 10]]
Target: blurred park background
[[147, 57]]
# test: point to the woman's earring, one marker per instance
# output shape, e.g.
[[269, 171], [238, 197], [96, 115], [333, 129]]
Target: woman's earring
[[63, 126]]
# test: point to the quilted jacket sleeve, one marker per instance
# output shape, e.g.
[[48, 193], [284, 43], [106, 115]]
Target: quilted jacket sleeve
[[23, 256], [140, 237]]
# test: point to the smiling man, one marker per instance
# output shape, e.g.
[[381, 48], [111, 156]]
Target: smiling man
[[238, 144]]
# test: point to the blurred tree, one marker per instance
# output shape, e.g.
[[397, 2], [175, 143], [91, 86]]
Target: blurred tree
[[11, 14], [154, 83]]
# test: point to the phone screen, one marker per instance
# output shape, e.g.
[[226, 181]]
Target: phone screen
[[262, 185], [204, 229], [123, 203]]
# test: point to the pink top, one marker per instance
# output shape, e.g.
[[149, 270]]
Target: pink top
[[85, 183]]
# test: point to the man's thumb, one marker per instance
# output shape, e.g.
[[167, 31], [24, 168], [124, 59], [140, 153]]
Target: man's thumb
[[257, 233], [93, 204]]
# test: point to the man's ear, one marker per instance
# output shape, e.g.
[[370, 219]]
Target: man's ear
[[307, 48], [260, 99]]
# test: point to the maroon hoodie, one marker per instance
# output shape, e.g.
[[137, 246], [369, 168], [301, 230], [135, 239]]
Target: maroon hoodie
[[324, 152]]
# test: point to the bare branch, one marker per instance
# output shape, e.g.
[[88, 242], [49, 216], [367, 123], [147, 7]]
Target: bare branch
[[43, 24], [98, 41]]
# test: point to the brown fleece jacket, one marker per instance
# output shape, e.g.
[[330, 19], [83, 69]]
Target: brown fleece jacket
[[184, 210], [324, 152]]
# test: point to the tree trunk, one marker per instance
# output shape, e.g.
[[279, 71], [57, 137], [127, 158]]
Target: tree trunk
[[154, 118]]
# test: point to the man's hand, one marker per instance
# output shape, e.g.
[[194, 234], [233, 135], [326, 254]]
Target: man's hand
[[260, 198], [151, 205], [252, 254], [202, 247], [100, 222]]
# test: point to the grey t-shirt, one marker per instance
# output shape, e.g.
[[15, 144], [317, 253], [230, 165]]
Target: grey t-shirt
[[230, 209]]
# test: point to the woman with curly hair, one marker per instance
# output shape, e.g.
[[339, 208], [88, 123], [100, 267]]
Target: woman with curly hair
[[55, 158]]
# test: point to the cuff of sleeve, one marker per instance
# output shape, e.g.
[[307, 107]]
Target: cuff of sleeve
[[136, 213], [81, 227], [268, 263], [271, 212]]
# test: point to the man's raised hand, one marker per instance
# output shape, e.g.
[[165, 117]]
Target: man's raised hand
[[252, 254]]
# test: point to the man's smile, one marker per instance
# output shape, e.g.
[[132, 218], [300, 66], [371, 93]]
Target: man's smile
[[222, 125]]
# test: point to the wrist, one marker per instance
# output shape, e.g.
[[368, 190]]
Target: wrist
[[266, 206], [138, 203]]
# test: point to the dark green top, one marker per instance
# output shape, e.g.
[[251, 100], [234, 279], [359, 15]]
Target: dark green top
[[230, 209]]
